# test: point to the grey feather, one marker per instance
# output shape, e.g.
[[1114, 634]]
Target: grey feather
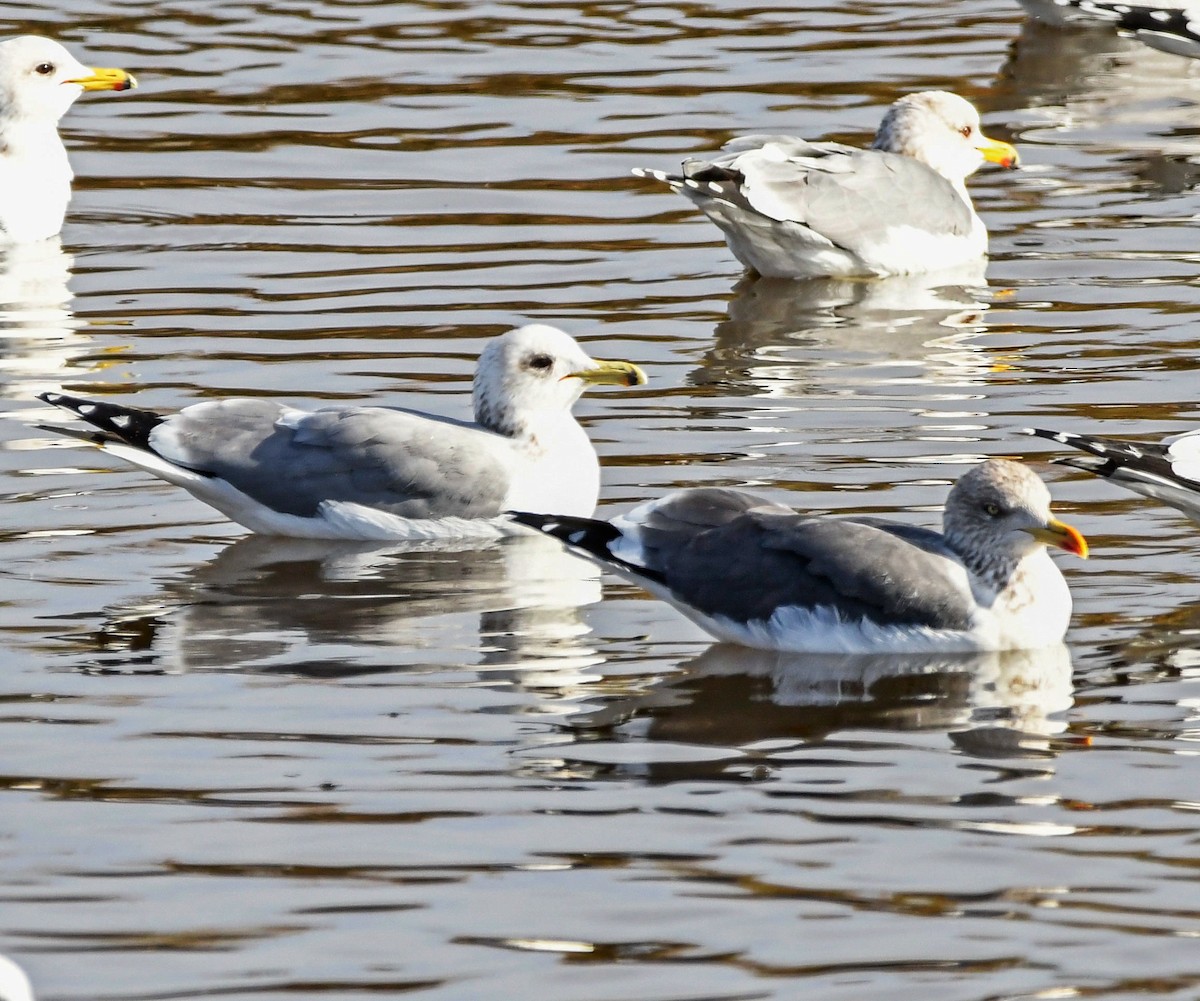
[[409, 464], [848, 197], [729, 553]]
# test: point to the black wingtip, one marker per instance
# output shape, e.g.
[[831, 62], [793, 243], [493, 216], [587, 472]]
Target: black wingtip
[[116, 423], [1062, 437], [587, 534]]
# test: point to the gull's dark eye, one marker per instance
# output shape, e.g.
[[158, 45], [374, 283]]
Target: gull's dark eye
[[45, 69], [966, 131], [993, 510], [541, 363]]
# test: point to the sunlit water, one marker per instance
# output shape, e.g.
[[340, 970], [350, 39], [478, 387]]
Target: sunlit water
[[245, 768]]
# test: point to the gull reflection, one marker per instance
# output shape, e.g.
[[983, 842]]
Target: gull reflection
[[39, 338], [782, 333], [991, 704], [329, 609], [1117, 91]]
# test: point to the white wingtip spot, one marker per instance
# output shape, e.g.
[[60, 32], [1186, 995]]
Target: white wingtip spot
[[86, 408], [575, 538], [121, 420]]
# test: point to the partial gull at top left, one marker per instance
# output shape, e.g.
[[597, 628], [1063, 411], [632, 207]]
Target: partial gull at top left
[[39, 81]]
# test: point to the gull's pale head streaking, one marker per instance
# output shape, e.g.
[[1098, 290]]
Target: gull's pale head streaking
[[942, 131], [790, 208], [14, 985], [39, 81], [998, 514], [377, 473], [760, 574]]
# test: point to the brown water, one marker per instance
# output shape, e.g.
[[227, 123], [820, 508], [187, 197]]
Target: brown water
[[244, 768]]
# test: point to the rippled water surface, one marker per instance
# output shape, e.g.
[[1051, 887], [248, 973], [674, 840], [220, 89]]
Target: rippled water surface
[[249, 768]]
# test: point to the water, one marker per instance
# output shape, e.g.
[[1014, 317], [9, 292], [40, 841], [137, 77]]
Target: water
[[248, 768]]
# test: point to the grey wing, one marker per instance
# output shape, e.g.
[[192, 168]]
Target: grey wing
[[851, 197], [740, 560], [409, 464]]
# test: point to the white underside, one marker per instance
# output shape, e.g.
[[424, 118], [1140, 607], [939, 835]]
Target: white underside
[[334, 519], [35, 187], [788, 250], [823, 630]]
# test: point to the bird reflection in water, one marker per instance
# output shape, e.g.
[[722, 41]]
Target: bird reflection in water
[[329, 609], [754, 703], [1087, 86], [39, 335], [912, 326]]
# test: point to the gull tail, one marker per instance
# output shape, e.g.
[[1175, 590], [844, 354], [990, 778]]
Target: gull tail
[[1111, 454], [111, 423], [589, 536], [676, 181], [1148, 469]]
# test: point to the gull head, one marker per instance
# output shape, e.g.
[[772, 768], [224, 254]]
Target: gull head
[[40, 80], [999, 512], [941, 130], [538, 370]]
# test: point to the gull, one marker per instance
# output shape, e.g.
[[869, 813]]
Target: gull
[[790, 208], [14, 984], [1169, 27], [377, 473], [39, 81], [1168, 471], [757, 573]]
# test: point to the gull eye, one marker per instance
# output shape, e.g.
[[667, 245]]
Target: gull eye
[[45, 69], [541, 363], [966, 131], [993, 510]]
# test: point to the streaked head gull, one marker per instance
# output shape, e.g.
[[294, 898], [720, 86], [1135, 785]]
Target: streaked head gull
[[377, 473], [39, 81], [1168, 471], [757, 573], [796, 209]]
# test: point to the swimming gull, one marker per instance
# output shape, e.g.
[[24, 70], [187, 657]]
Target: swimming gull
[[1168, 471], [796, 209], [39, 81], [754, 572], [376, 473], [1170, 27]]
